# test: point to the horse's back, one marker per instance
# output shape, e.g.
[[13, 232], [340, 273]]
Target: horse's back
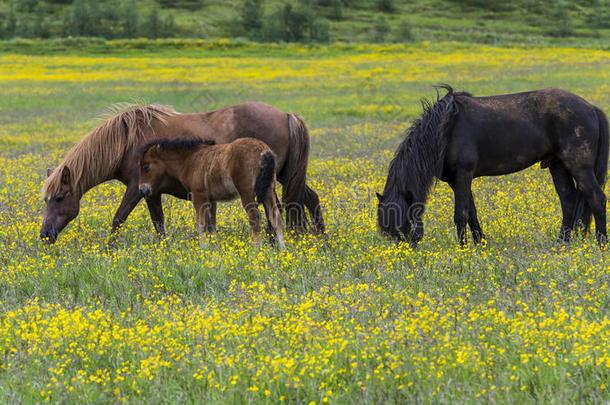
[[535, 104], [254, 120], [507, 133], [245, 153]]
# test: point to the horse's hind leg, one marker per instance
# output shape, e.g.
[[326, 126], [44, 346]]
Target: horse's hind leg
[[274, 218], [473, 222], [254, 216], [312, 202], [584, 222], [461, 189], [270, 231], [593, 193], [295, 215], [564, 185]]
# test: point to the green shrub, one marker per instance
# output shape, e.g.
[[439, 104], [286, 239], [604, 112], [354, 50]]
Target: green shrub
[[562, 24], [386, 5], [251, 18], [185, 4], [295, 24], [130, 19], [336, 10], [403, 33], [381, 29]]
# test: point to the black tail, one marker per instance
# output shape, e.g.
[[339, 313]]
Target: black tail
[[601, 163], [583, 212], [265, 177]]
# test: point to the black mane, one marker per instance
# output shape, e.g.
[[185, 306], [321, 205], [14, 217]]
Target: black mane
[[177, 144], [419, 158]]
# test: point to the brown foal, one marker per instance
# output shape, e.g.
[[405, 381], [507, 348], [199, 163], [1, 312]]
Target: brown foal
[[211, 173]]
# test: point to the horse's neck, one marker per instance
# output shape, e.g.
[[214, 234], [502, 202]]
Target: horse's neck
[[86, 181], [183, 167]]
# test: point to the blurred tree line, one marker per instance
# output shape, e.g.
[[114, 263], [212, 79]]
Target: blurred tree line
[[301, 21], [554, 13], [263, 20], [292, 21], [110, 19]]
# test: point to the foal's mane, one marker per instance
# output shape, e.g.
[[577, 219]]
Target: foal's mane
[[420, 156], [176, 144], [97, 156]]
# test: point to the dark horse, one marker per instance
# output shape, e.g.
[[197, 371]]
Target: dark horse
[[461, 137], [111, 152]]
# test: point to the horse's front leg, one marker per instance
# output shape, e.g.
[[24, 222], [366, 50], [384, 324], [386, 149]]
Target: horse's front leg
[[461, 189], [210, 217], [155, 209], [473, 222], [201, 205], [131, 198]]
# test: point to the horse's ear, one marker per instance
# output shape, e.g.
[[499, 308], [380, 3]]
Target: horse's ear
[[65, 176], [49, 172], [379, 197]]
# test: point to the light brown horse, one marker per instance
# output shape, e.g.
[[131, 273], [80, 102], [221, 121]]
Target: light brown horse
[[211, 173], [111, 152]]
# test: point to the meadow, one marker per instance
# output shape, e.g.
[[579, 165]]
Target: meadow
[[351, 318]]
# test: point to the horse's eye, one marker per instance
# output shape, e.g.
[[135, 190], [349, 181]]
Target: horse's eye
[[146, 168], [59, 199]]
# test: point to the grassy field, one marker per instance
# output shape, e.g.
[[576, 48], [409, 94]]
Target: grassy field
[[352, 318]]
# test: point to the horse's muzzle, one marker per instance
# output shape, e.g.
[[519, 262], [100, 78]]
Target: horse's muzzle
[[145, 190], [49, 237]]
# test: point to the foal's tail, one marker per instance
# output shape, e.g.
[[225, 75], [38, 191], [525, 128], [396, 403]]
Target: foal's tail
[[266, 176], [583, 212]]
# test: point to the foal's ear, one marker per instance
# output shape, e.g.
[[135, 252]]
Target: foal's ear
[[49, 172], [65, 176], [150, 150], [379, 197], [156, 148]]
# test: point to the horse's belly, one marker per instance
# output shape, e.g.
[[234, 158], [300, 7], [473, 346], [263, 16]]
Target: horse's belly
[[224, 192], [518, 150], [505, 166]]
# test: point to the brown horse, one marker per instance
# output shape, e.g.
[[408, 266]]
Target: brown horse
[[211, 173], [111, 152]]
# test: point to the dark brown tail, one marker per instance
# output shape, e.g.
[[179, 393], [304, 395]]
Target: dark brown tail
[[295, 169], [583, 212], [265, 177]]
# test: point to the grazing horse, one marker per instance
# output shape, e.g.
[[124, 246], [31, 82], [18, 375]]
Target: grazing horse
[[111, 152], [211, 173], [461, 137]]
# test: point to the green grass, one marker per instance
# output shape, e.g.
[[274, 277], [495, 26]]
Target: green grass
[[352, 318]]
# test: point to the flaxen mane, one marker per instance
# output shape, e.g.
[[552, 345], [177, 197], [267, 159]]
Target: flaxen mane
[[419, 158], [99, 153]]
